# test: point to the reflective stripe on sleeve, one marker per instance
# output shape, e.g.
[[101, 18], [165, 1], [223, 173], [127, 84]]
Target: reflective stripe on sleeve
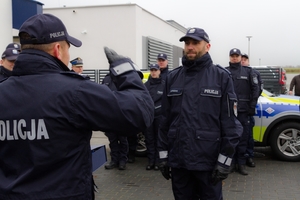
[[163, 154], [224, 160], [122, 68]]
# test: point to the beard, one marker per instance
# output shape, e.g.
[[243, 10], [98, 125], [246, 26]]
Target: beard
[[191, 55]]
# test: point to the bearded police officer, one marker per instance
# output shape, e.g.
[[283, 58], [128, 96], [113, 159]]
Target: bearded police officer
[[247, 90], [48, 114], [198, 132]]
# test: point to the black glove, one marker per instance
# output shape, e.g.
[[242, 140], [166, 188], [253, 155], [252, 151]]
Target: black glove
[[165, 170], [112, 56], [115, 60], [251, 112], [220, 173]]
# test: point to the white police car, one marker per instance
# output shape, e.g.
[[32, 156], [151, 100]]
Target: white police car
[[277, 124]]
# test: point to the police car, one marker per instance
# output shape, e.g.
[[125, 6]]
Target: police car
[[277, 124]]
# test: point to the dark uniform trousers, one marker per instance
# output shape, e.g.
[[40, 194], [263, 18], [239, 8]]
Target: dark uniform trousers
[[151, 141], [250, 146], [239, 157], [118, 147], [194, 185]]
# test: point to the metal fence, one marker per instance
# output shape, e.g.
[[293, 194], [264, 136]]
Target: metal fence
[[96, 75]]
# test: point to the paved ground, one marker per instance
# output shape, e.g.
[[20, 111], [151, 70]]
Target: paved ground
[[269, 180]]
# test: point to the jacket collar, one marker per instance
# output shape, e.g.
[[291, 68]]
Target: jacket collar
[[32, 61], [203, 61]]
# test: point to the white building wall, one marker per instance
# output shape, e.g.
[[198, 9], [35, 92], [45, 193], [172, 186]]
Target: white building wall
[[120, 27], [6, 24]]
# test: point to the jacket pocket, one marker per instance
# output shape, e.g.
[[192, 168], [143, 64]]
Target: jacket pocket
[[175, 92]]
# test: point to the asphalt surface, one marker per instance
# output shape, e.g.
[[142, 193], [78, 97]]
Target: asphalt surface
[[271, 179]]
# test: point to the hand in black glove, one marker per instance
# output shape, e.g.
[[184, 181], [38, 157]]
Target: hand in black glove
[[251, 112], [165, 170], [111, 55], [220, 173]]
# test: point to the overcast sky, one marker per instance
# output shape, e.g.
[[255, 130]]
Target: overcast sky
[[273, 24]]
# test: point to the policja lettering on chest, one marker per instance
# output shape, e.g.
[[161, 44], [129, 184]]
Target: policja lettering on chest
[[16, 130], [209, 91]]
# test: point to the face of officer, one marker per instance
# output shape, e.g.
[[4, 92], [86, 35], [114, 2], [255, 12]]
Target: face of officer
[[245, 61], [162, 63], [154, 73], [8, 64], [235, 58], [65, 46], [194, 49], [77, 69]]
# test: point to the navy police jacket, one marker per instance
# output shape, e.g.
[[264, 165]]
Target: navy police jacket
[[199, 128], [155, 87], [4, 73], [164, 72], [46, 122], [246, 86]]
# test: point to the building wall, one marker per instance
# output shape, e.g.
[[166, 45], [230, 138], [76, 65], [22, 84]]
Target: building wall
[[6, 24], [120, 27]]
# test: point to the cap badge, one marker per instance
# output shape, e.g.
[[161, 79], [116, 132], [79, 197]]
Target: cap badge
[[192, 30], [14, 51]]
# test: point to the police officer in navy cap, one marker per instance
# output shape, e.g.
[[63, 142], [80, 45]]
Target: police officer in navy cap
[[155, 86], [162, 61], [45, 152], [247, 90], [250, 146], [77, 65], [198, 132], [7, 62]]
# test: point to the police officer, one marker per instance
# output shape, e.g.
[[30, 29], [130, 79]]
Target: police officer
[[77, 65], [162, 61], [247, 90], [45, 137], [250, 146], [198, 132], [155, 86], [7, 62], [118, 144], [133, 138]]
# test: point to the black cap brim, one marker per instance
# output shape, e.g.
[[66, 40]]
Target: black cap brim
[[190, 37], [74, 41], [11, 58]]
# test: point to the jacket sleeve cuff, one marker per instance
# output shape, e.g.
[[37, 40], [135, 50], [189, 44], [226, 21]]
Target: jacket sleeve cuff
[[163, 154], [225, 160]]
